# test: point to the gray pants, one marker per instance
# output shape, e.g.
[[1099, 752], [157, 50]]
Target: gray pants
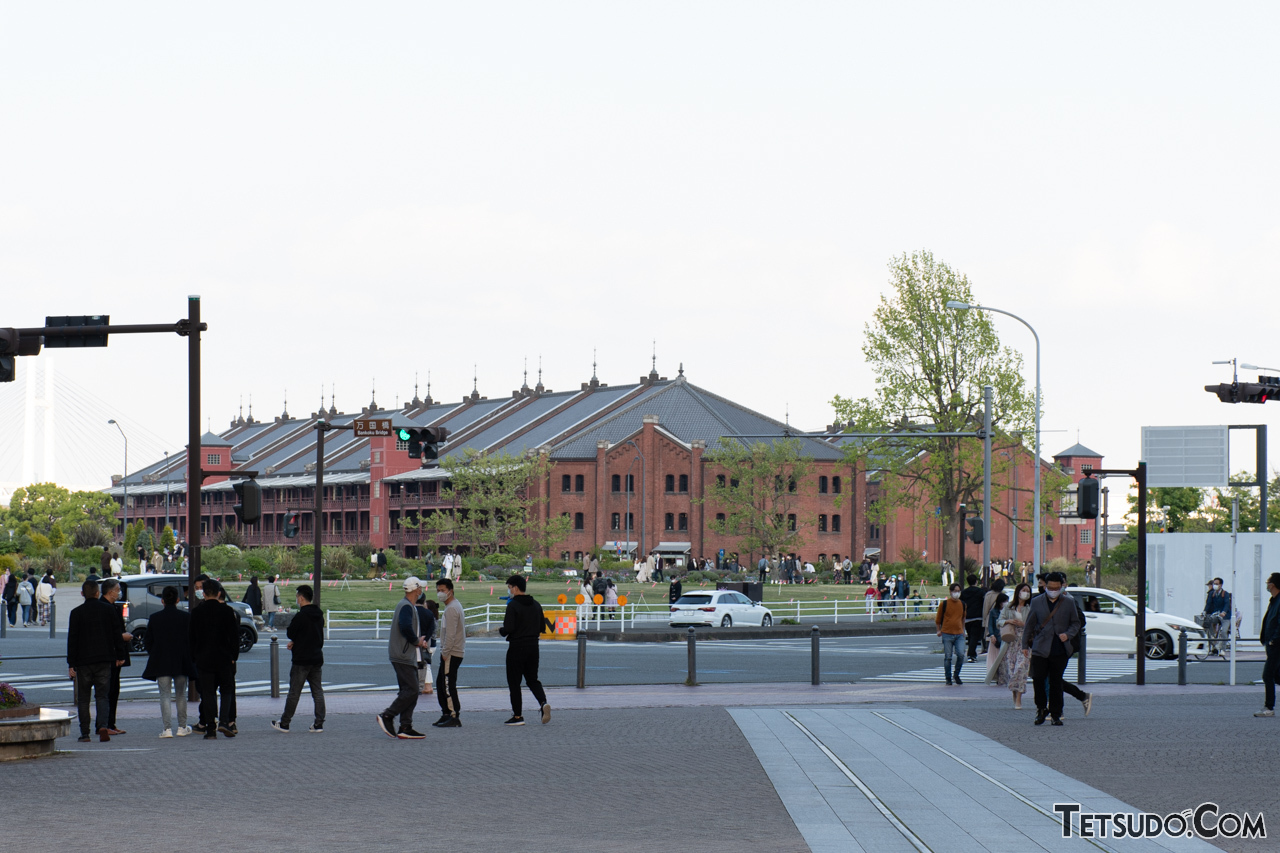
[[298, 676], [406, 695], [167, 685], [95, 677]]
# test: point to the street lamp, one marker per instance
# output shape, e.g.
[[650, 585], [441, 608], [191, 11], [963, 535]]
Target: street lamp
[[965, 306], [126, 477], [166, 488]]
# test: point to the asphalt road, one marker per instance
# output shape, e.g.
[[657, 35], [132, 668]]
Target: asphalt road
[[361, 665]]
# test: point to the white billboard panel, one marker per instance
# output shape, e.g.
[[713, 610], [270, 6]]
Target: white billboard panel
[[1186, 455]]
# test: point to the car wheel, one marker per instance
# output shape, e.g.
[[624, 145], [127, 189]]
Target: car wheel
[[726, 622], [1159, 645], [136, 644], [767, 621], [246, 639]]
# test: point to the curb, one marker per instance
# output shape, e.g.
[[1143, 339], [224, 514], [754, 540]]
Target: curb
[[784, 632]]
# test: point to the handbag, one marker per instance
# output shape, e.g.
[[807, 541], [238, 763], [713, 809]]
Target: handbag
[[1008, 634]]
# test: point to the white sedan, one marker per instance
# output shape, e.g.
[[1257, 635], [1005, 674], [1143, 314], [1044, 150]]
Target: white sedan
[[719, 607], [1111, 625]]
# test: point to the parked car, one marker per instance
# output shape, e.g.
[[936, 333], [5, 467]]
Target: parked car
[[1110, 625], [719, 607], [141, 598]]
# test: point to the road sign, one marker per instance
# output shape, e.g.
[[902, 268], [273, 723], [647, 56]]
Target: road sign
[[1186, 455], [373, 427]]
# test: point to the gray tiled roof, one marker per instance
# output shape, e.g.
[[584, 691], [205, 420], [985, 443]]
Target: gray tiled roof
[[1078, 449]]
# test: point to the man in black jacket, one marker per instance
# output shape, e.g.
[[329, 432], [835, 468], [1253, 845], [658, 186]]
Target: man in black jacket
[[675, 591], [1269, 636], [522, 625], [93, 646], [215, 645], [972, 596], [110, 595], [306, 639]]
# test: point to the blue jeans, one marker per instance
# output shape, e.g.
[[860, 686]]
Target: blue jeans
[[271, 619], [26, 613], [953, 645]]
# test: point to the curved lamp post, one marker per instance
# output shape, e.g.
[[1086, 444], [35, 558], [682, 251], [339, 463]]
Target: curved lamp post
[[125, 481], [965, 306]]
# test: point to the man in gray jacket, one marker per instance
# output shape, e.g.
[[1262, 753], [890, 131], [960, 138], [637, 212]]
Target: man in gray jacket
[[1052, 626], [405, 648], [453, 645]]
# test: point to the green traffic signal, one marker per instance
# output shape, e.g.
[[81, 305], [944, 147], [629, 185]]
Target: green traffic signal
[[402, 434]]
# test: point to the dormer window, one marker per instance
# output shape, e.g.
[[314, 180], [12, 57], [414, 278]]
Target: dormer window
[[213, 459]]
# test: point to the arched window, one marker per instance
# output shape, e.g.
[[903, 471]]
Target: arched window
[[615, 522], [791, 521], [684, 483], [616, 483], [822, 524], [669, 522], [684, 521], [670, 483], [720, 517], [835, 524], [720, 480], [579, 483], [579, 522], [564, 483], [822, 484], [631, 483], [835, 485]]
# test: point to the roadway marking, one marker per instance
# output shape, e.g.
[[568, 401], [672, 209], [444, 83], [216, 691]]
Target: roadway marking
[[1096, 671]]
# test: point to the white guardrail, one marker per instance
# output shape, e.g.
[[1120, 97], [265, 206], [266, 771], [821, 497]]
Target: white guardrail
[[486, 617]]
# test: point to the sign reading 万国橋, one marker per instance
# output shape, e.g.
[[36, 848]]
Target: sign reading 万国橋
[[373, 427], [1186, 455]]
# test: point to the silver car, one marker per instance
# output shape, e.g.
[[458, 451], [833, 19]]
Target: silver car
[[141, 598]]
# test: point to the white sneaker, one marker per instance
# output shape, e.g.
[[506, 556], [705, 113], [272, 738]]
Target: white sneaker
[[166, 733], [183, 731], [1265, 712]]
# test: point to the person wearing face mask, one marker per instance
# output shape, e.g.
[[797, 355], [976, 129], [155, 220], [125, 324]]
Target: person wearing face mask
[[1269, 636], [1011, 665], [1052, 626], [950, 623], [453, 644], [405, 647], [1217, 615]]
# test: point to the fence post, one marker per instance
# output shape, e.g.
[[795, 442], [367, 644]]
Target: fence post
[[837, 611], [275, 668], [582, 661], [815, 671], [1182, 656], [1080, 661], [377, 624], [692, 680], [53, 619], [4, 619]]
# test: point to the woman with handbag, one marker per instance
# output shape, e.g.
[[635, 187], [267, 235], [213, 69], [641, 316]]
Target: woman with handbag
[[1015, 666], [995, 648]]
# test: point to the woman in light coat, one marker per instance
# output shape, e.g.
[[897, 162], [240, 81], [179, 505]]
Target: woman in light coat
[[1015, 664]]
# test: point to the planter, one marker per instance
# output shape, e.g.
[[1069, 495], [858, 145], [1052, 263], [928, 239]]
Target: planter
[[22, 737], [19, 711]]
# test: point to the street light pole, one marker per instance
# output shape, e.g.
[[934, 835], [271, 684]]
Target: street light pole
[[166, 489], [1037, 544], [125, 529]]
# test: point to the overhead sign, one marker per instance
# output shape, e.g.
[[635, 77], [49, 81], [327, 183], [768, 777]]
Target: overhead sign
[[1186, 455], [373, 427]]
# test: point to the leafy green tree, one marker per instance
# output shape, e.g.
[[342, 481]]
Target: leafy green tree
[[131, 534], [930, 363], [1217, 506], [167, 539], [497, 504], [1185, 504], [757, 487], [44, 505]]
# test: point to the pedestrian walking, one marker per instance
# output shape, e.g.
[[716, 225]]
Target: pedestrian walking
[[44, 597], [611, 599], [111, 594], [972, 597], [104, 564], [847, 569], [675, 590], [1011, 665], [306, 643], [271, 602], [995, 648], [950, 622], [382, 563], [117, 565], [93, 647], [253, 596], [1052, 626], [10, 597], [405, 648], [1269, 636], [762, 566], [215, 646], [988, 602], [453, 645], [169, 661], [522, 625]]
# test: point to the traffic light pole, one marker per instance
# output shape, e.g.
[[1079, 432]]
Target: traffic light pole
[[1140, 622], [317, 519], [987, 392]]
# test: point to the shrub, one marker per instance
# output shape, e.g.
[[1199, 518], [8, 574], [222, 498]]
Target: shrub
[[89, 535], [10, 562], [56, 537], [360, 552], [548, 563], [286, 563], [257, 565], [228, 535], [39, 543]]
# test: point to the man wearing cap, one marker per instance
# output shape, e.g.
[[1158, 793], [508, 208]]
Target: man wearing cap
[[405, 647], [1217, 615]]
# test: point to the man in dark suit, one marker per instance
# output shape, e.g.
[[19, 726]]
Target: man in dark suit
[[111, 590], [215, 646], [93, 646]]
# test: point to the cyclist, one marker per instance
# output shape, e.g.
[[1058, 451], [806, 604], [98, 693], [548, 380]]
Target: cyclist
[[1217, 615]]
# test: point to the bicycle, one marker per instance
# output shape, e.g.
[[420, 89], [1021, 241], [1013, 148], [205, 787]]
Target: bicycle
[[1217, 636]]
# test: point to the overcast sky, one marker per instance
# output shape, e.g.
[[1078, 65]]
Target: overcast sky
[[363, 192]]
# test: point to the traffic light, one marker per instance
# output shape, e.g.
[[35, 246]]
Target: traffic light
[[1087, 498], [8, 353], [423, 442], [290, 525], [1265, 389], [976, 533], [250, 495]]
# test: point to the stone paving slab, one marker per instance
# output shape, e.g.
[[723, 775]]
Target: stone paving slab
[[951, 788]]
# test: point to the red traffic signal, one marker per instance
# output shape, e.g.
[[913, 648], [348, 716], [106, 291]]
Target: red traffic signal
[[290, 524]]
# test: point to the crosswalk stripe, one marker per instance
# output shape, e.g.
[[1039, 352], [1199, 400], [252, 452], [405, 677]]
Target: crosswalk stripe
[[1095, 672]]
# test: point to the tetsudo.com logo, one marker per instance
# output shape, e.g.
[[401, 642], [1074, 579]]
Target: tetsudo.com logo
[[1203, 821]]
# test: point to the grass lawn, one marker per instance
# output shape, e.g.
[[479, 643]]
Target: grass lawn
[[374, 595]]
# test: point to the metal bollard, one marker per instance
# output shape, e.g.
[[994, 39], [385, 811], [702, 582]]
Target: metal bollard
[[1182, 657], [275, 668], [692, 680], [4, 619], [815, 671], [582, 662], [53, 619], [1080, 661]]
